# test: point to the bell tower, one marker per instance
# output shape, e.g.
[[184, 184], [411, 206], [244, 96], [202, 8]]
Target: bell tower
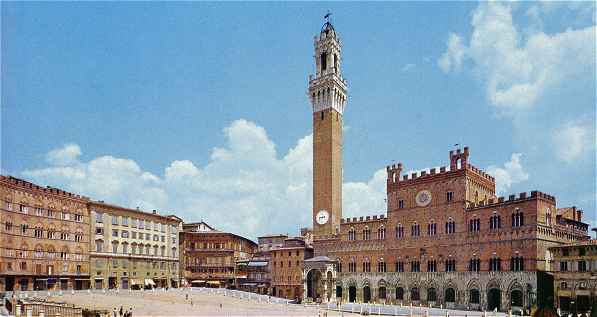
[[328, 94]]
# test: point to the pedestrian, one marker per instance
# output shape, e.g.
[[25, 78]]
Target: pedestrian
[[130, 312], [187, 296], [115, 313], [120, 311]]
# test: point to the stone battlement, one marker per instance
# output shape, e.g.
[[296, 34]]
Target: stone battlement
[[458, 162], [363, 219], [47, 190], [513, 198]]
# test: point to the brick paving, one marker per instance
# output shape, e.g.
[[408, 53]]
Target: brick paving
[[174, 303]]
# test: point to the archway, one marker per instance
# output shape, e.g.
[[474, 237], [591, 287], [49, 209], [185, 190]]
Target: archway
[[338, 291], [352, 294], [474, 296], [494, 298], [313, 282], [431, 294], [516, 298], [329, 284], [382, 292], [399, 293], [450, 295], [414, 294], [366, 294]]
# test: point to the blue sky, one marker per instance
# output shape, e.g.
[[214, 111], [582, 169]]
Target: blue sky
[[201, 108]]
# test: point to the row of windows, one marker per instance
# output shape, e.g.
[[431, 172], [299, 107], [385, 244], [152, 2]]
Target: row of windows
[[381, 234], [133, 235], [212, 245], [449, 296], [581, 266], [124, 263], [289, 279], [43, 212], [221, 270], [516, 264], [39, 268], [41, 233], [135, 223], [281, 263], [38, 253], [450, 228], [139, 249], [449, 198], [495, 222], [275, 254]]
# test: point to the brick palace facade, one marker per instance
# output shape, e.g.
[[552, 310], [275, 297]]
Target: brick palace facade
[[44, 237], [447, 238], [208, 257]]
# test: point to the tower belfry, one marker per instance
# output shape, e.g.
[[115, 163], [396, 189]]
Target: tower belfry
[[328, 95]]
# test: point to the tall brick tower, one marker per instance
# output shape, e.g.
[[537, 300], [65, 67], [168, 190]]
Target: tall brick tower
[[328, 94]]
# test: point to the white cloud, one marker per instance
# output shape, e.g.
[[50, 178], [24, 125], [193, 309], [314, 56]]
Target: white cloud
[[359, 198], [571, 140], [512, 173], [517, 70], [244, 188], [452, 58], [407, 67], [66, 155]]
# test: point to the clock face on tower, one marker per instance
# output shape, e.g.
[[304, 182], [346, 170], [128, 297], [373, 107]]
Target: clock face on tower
[[322, 217]]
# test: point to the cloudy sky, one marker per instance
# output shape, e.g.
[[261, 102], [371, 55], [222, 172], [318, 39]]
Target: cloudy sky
[[200, 109]]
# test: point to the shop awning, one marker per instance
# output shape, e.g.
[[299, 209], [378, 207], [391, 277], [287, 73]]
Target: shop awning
[[198, 281], [241, 276], [99, 278], [149, 281], [64, 278], [81, 279], [134, 282], [249, 284], [41, 279], [213, 282]]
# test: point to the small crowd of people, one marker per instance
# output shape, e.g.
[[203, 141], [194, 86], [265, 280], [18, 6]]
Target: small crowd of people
[[122, 312]]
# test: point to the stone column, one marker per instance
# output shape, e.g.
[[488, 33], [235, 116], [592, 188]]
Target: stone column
[[305, 294], [325, 290]]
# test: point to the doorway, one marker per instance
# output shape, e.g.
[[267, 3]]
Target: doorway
[[313, 281], [366, 294], [352, 294], [494, 298]]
